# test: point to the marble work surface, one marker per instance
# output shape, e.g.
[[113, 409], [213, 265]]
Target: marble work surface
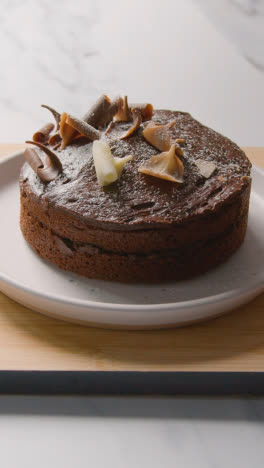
[[131, 432], [243, 22], [204, 56], [66, 53]]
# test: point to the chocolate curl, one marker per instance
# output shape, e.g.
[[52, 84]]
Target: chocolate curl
[[165, 165], [103, 111], [33, 159], [178, 149], [52, 166], [35, 162], [115, 105], [159, 136], [55, 114], [110, 127], [66, 131], [137, 120], [42, 135], [55, 139], [77, 137], [146, 110], [124, 113], [94, 115], [83, 128]]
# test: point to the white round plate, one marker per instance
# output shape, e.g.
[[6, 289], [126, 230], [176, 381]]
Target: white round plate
[[44, 288]]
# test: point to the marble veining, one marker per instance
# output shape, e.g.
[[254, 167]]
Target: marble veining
[[250, 7], [243, 22], [203, 56], [66, 53]]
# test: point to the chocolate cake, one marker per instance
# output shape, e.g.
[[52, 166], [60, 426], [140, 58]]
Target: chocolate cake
[[178, 207]]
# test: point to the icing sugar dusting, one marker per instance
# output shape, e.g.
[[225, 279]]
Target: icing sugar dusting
[[137, 199]]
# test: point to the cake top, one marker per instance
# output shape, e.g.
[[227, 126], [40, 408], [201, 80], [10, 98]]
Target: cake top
[[208, 170]]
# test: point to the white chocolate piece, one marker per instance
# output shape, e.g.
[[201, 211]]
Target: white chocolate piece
[[108, 168], [166, 166], [206, 168], [106, 172], [120, 163]]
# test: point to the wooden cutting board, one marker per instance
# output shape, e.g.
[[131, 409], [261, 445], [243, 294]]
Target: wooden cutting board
[[231, 344]]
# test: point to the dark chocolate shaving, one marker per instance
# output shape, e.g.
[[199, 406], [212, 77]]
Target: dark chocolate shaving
[[124, 113], [95, 114], [110, 127], [83, 127], [51, 167], [137, 120], [33, 159], [56, 146], [115, 105], [146, 110], [55, 114], [42, 135], [102, 111], [55, 139], [178, 149]]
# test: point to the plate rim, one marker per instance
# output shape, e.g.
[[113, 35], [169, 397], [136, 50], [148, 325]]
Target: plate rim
[[256, 287]]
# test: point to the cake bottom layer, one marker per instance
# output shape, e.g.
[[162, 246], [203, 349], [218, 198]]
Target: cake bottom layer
[[93, 262]]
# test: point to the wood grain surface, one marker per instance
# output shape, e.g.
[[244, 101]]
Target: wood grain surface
[[30, 341]]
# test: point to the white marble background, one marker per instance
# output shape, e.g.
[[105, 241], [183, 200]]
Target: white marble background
[[243, 22], [101, 432], [65, 53], [205, 56]]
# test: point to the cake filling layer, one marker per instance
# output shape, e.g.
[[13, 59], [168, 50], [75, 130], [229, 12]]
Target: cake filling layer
[[138, 241], [90, 261]]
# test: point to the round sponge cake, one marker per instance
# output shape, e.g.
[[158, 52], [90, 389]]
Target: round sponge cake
[[140, 228]]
